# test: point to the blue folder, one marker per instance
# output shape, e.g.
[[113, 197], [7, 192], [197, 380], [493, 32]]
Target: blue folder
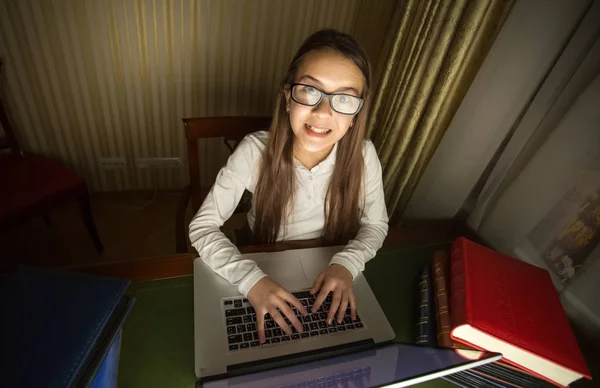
[[60, 329]]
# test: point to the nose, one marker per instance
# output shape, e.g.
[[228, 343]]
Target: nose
[[323, 108]]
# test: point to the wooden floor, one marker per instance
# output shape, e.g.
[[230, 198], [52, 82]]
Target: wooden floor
[[131, 225]]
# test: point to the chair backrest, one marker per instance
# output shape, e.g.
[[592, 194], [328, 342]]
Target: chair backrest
[[232, 129], [8, 139]]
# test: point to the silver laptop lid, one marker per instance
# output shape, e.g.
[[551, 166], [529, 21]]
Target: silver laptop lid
[[394, 365]]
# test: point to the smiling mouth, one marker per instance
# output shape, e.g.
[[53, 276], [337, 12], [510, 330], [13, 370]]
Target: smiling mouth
[[320, 131]]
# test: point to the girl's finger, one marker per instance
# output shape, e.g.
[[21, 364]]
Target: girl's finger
[[352, 304], [287, 311], [260, 325], [318, 283], [343, 307], [280, 321], [335, 303], [294, 302], [321, 297]]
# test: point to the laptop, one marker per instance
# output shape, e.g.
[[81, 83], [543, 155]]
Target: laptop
[[226, 339]]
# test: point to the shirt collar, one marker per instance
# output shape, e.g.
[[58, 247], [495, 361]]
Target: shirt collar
[[329, 160]]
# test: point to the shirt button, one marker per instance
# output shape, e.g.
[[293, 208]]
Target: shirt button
[[310, 177], [308, 196]]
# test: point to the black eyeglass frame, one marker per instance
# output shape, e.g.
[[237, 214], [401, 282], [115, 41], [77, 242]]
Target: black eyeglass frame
[[329, 96]]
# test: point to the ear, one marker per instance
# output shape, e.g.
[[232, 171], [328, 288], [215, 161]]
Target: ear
[[287, 93]]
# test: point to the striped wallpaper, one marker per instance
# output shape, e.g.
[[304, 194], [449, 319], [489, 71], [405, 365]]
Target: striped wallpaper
[[107, 78]]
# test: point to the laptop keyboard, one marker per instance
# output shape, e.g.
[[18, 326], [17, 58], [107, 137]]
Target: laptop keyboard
[[242, 333]]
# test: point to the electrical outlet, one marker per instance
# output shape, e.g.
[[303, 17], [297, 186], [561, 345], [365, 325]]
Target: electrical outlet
[[112, 163], [158, 162]]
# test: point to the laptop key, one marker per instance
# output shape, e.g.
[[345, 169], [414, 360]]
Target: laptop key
[[275, 340], [234, 321], [235, 312], [347, 320], [250, 310], [230, 329], [228, 302], [350, 327], [248, 337], [244, 345], [277, 332], [306, 319], [267, 341], [233, 347], [313, 326], [322, 325], [247, 319], [341, 328], [254, 343], [268, 333], [304, 335], [295, 336], [251, 327], [314, 317], [234, 339], [323, 331], [305, 327], [323, 316], [269, 324], [332, 330], [314, 333], [358, 325], [302, 294], [255, 336], [237, 303], [241, 328], [245, 300], [285, 338]]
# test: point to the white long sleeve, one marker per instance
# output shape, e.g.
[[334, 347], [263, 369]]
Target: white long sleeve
[[217, 251]]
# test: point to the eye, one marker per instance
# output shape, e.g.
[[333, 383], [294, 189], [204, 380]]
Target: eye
[[343, 99], [310, 90]]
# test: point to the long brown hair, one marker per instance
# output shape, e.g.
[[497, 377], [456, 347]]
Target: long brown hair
[[273, 197]]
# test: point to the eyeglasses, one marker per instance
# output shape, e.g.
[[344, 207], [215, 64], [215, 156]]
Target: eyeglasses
[[342, 103]]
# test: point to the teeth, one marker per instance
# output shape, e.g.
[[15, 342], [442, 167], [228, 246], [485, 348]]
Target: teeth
[[317, 130]]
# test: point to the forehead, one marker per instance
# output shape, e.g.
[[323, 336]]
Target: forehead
[[332, 69]]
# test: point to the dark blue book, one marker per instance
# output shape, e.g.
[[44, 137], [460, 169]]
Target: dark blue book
[[59, 327], [426, 323]]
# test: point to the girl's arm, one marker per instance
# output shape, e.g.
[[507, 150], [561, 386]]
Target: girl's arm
[[373, 222], [215, 249]]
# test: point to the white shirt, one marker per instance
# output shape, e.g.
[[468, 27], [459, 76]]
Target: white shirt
[[306, 221]]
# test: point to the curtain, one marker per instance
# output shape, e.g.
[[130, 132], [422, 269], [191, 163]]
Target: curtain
[[434, 50], [541, 200]]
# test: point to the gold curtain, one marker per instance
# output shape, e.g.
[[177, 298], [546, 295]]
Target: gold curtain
[[434, 50]]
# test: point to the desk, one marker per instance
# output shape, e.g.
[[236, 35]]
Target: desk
[[164, 309]]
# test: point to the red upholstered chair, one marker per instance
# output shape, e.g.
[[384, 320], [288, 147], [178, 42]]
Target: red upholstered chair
[[31, 185]]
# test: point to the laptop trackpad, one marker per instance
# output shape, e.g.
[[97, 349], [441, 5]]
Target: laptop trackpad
[[286, 271]]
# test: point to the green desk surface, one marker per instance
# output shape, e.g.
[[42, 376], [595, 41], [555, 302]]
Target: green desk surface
[[158, 338]]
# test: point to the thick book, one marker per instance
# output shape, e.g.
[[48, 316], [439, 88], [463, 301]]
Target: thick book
[[505, 305], [426, 325], [440, 272], [58, 327]]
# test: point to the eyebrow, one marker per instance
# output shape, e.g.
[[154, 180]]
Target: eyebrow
[[342, 89]]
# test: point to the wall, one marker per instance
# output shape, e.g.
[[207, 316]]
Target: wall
[[85, 80], [532, 37]]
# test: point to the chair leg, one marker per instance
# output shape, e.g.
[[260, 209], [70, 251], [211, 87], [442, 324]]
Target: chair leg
[[88, 220]]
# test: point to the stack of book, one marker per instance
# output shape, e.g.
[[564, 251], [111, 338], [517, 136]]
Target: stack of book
[[478, 299]]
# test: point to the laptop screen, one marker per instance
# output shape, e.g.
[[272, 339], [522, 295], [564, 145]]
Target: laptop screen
[[394, 365]]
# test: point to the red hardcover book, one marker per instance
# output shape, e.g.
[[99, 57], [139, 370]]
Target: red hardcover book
[[505, 305]]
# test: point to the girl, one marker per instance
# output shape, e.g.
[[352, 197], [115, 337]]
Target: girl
[[312, 175]]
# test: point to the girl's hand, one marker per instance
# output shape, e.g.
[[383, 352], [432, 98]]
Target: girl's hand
[[337, 280], [267, 296]]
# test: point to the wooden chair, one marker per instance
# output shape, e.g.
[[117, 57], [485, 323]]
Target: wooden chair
[[233, 130], [32, 185]]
